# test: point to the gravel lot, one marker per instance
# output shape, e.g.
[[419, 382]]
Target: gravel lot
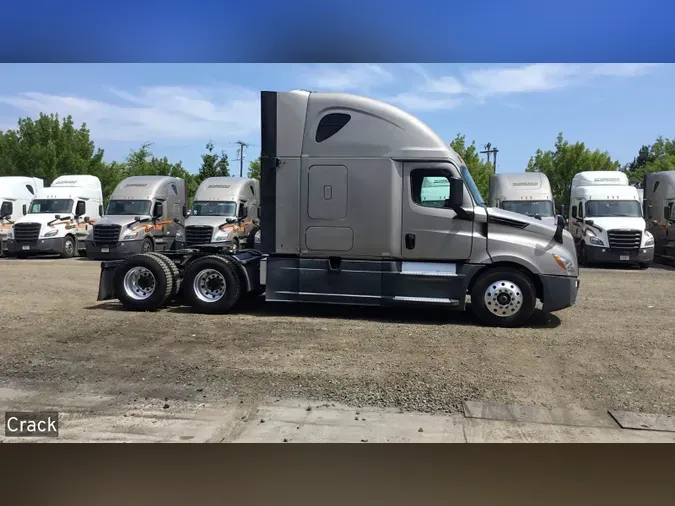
[[614, 349]]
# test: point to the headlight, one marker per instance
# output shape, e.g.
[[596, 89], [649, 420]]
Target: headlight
[[594, 239], [649, 241], [51, 233], [222, 235], [131, 235], [565, 264], [10, 234], [256, 238]]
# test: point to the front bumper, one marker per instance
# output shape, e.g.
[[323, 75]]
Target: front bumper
[[114, 251], [600, 254], [51, 245], [560, 292]]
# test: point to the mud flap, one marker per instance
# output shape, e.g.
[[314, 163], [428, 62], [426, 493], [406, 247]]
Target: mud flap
[[106, 288]]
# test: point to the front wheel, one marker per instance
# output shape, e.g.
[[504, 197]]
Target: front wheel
[[68, 247], [644, 265], [147, 246], [503, 297], [211, 285], [583, 255]]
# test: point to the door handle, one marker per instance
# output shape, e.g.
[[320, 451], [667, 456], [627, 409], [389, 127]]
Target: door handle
[[410, 241]]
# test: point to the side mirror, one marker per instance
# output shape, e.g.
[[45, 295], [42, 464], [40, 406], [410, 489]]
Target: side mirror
[[158, 210], [560, 226], [231, 220], [80, 209], [176, 220], [24, 209], [185, 212], [654, 222], [137, 218], [86, 219], [588, 222], [259, 213], [7, 209], [57, 216], [537, 216], [456, 192]]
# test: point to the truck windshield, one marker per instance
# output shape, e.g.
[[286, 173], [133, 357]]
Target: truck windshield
[[613, 208], [475, 193], [213, 208], [543, 208], [51, 206], [128, 207]]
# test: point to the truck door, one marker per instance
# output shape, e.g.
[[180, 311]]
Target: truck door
[[432, 231]]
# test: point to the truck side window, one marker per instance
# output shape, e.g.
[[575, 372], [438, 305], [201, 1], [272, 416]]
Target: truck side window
[[667, 211], [429, 190], [574, 211], [581, 209], [331, 124], [242, 210]]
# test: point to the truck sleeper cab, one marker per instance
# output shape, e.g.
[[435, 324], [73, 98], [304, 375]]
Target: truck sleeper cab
[[16, 193], [528, 193], [363, 204], [144, 214], [59, 218], [659, 203], [606, 220], [224, 212]]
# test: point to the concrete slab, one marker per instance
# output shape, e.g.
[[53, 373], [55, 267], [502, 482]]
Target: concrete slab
[[644, 421], [537, 414]]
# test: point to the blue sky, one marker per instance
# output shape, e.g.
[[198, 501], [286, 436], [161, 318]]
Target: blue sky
[[516, 107]]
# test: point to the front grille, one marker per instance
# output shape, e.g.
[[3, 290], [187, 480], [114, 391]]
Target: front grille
[[198, 234], [106, 234], [27, 233], [624, 239]]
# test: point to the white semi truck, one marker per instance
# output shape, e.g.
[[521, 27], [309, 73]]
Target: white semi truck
[[59, 218], [16, 193], [225, 212], [348, 217], [606, 220], [528, 193]]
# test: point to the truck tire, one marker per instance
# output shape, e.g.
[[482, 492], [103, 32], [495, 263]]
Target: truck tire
[[147, 246], [69, 247], [644, 265], [503, 297], [175, 273], [143, 283], [211, 285], [236, 245]]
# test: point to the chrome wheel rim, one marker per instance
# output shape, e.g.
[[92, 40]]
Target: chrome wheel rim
[[69, 246], [209, 285], [147, 247], [139, 283], [503, 298]]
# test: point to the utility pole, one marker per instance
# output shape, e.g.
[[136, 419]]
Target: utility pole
[[240, 154], [489, 149]]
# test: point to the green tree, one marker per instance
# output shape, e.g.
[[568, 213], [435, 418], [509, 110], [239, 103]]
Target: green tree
[[566, 160], [480, 171], [223, 165], [254, 169], [48, 148], [657, 157]]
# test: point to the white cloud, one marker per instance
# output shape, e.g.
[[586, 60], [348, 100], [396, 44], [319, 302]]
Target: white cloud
[[154, 113], [443, 92], [348, 77]]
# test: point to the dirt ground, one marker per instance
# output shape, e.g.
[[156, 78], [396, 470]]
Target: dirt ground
[[615, 349]]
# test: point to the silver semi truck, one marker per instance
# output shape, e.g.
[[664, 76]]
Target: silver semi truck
[[224, 211], [347, 218], [528, 193], [144, 214], [659, 203]]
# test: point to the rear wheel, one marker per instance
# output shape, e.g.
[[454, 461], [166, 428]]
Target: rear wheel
[[503, 297], [211, 285], [175, 273], [143, 283]]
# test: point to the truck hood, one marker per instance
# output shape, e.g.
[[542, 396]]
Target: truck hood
[[42, 218], [545, 226], [619, 222], [123, 220], [212, 221]]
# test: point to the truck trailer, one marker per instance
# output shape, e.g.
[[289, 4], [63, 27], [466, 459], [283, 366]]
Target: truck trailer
[[224, 211], [144, 214], [16, 193], [606, 220], [59, 218], [347, 219], [528, 193], [659, 199]]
